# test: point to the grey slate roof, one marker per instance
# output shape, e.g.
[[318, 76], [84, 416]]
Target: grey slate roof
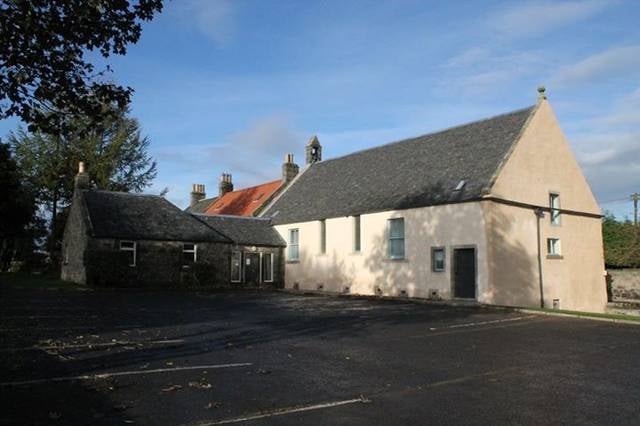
[[201, 206], [144, 217], [415, 172], [244, 230]]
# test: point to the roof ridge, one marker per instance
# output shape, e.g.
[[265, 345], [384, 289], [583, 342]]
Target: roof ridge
[[232, 216], [254, 186], [446, 129], [133, 194]]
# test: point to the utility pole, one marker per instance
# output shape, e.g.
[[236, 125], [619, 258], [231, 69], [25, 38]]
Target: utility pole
[[635, 197]]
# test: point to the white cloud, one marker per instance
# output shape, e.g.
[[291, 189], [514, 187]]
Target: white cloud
[[609, 63], [213, 18], [252, 156], [535, 18]]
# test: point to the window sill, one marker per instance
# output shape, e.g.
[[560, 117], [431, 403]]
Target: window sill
[[555, 256], [403, 260], [355, 253], [293, 261], [438, 271]]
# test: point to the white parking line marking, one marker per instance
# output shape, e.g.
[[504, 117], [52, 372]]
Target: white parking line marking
[[91, 345], [123, 373], [284, 411], [467, 328], [473, 324]]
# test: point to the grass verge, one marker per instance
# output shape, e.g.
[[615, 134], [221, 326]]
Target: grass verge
[[615, 317]]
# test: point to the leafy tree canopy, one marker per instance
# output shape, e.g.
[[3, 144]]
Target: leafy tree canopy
[[116, 155], [44, 74], [621, 243]]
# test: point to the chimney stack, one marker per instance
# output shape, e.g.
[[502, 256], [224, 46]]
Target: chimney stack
[[197, 194], [289, 169], [82, 180], [313, 150], [225, 184]]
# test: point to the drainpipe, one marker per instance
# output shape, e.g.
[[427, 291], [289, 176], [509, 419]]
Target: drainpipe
[[539, 215]]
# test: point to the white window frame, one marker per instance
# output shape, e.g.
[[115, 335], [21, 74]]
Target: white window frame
[[134, 249], [390, 238], [554, 209], [239, 266], [357, 234], [291, 245], [194, 251], [270, 279], [554, 247], [433, 259]]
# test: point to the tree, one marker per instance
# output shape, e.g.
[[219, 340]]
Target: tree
[[44, 75], [17, 207], [115, 153], [621, 243]]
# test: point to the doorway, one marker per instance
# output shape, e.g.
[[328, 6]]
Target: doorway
[[464, 273], [252, 269]]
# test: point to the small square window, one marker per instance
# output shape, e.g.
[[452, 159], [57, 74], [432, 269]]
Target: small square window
[[553, 247], [129, 250], [437, 259], [189, 254]]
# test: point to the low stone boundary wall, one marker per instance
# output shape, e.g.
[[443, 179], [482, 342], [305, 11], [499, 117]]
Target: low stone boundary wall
[[624, 284]]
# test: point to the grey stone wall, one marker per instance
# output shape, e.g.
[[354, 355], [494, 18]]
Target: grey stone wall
[[158, 264], [624, 284], [74, 243]]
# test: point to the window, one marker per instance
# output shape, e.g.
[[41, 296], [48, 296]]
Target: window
[[267, 267], [553, 247], [294, 252], [437, 259], [554, 205], [189, 254], [356, 234], [236, 265], [323, 236], [128, 248], [395, 247]]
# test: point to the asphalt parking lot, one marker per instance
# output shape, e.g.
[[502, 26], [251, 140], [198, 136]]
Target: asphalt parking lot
[[142, 357]]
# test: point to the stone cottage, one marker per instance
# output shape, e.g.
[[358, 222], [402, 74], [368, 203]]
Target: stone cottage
[[122, 239], [496, 211]]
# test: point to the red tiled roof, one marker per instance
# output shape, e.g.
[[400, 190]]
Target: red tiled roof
[[244, 202]]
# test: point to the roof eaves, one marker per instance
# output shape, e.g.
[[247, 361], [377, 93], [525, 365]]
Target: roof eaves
[[487, 189]]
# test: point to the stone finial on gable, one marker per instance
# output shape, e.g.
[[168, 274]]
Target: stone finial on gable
[[541, 93]]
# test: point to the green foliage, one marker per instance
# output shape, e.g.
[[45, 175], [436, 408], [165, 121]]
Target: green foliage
[[45, 77], [115, 153], [17, 209], [621, 243]]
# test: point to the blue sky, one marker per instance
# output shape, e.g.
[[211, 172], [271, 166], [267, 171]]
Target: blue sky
[[232, 86]]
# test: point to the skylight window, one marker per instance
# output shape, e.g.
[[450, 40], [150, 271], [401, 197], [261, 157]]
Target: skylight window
[[460, 185]]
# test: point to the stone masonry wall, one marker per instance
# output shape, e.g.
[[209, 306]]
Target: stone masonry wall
[[158, 264], [624, 283]]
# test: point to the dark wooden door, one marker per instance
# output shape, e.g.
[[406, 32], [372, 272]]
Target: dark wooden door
[[464, 273], [252, 269]]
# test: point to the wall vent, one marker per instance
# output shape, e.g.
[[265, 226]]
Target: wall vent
[[320, 287], [296, 286], [346, 289], [556, 303], [378, 291], [403, 293], [434, 294]]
